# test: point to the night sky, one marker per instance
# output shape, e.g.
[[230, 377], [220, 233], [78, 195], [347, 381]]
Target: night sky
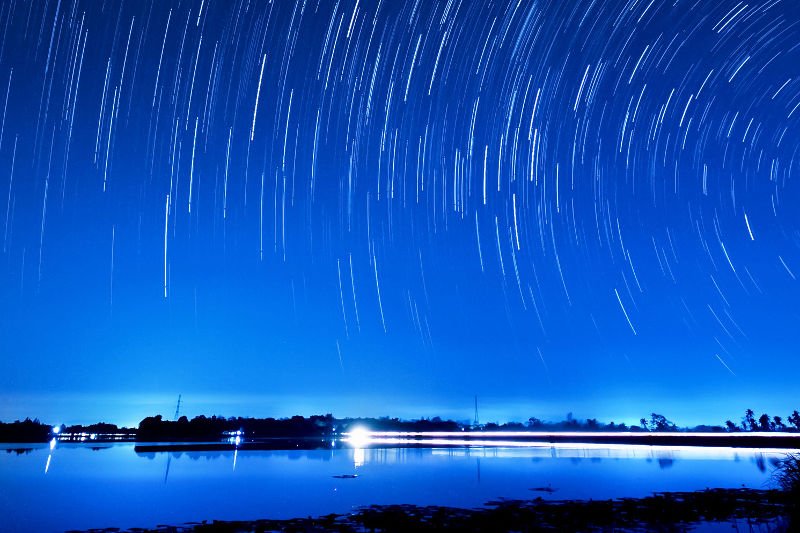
[[387, 207]]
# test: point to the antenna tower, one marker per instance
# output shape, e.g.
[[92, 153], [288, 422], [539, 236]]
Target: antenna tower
[[178, 408]]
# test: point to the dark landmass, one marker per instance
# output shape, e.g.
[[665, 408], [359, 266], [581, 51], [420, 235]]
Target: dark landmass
[[327, 427], [35, 431], [25, 431], [750, 509]]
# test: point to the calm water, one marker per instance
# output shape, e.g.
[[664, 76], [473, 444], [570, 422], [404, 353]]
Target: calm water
[[75, 486]]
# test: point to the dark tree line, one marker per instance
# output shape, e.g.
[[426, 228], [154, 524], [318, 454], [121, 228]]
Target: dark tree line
[[765, 422], [25, 431], [155, 428]]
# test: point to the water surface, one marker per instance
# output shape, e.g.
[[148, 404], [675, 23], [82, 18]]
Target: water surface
[[79, 487]]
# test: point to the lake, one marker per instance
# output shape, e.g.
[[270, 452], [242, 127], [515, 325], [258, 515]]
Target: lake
[[80, 486]]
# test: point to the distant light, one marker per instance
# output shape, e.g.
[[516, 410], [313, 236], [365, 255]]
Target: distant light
[[52, 443], [237, 440], [358, 437], [56, 429]]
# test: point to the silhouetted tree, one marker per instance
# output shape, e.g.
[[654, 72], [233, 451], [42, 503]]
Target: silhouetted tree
[[570, 422], [777, 424], [749, 421], [660, 423], [100, 428], [534, 423], [764, 423], [731, 426], [794, 419]]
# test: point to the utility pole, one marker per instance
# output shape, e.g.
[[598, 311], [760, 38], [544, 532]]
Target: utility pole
[[476, 423]]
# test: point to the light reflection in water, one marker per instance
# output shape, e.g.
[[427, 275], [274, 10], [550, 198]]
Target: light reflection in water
[[50, 455], [359, 457], [454, 443], [118, 487]]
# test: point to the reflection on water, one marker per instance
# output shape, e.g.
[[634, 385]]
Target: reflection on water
[[359, 455], [114, 486]]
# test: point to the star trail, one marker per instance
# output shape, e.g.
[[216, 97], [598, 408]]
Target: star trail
[[391, 206]]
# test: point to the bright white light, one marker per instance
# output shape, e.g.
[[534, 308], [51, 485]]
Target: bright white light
[[53, 443], [238, 440], [644, 435], [358, 437], [720, 447], [56, 429], [702, 452]]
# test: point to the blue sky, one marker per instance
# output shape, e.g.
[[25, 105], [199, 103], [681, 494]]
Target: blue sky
[[388, 208]]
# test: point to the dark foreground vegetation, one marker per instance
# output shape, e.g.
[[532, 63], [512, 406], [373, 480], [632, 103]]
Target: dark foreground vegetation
[[203, 428], [743, 509]]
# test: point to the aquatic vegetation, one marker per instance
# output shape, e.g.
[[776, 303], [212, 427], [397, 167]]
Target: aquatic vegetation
[[787, 475]]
